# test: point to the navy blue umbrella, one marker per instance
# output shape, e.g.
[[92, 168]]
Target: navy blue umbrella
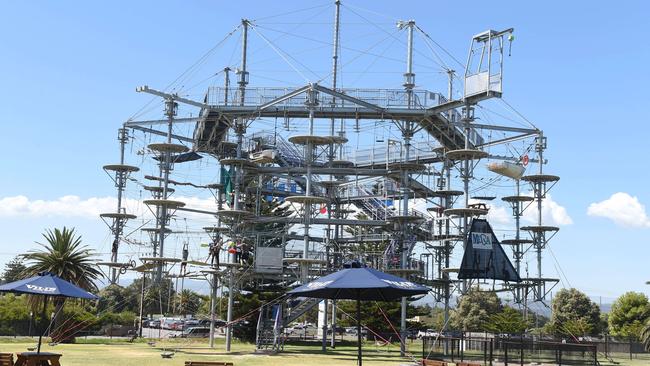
[[46, 284], [360, 284]]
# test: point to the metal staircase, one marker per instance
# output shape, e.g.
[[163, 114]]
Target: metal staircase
[[275, 316]]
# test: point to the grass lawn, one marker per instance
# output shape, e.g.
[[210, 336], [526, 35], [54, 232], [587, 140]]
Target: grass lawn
[[104, 352], [118, 352]]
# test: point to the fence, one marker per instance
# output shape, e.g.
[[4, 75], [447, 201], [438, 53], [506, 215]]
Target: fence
[[508, 351]]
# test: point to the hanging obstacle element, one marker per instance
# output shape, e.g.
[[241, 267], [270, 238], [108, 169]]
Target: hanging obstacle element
[[507, 169]]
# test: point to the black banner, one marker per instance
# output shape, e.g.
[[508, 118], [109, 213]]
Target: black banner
[[484, 257]]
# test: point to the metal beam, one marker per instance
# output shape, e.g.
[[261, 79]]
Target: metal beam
[[146, 89], [507, 139], [284, 97], [161, 133], [322, 170], [498, 128], [356, 101], [161, 122]]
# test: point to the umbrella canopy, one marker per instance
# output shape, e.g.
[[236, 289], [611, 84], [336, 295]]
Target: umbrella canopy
[[47, 284], [360, 284], [365, 284]]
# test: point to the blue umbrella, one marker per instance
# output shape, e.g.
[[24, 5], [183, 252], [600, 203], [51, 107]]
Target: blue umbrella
[[359, 284], [46, 284]]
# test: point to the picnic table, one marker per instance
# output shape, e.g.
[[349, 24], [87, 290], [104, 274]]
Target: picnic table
[[37, 359]]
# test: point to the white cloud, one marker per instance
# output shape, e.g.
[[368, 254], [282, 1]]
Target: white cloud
[[500, 215], [623, 209], [75, 206], [552, 213]]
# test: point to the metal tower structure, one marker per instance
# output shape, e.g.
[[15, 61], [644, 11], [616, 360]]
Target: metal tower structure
[[404, 207]]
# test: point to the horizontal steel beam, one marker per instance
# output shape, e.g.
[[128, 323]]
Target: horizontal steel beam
[[322, 112], [161, 122], [161, 133], [322, 170], [497, 128]]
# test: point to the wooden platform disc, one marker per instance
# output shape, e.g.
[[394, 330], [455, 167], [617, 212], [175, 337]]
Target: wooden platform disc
[[307, 200], [164, 203], [158, 189], [117, 215], [466, 154], [516, 241], [517, 198], [465, 212], [540, 178], [167, 147], [121, 168], [313, 139], [539, 229]]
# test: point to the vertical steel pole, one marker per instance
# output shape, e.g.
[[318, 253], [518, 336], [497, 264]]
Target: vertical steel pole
[[144, 279], [243, 81], [120, 182], [170, 111], [409, 83], [213, 304]]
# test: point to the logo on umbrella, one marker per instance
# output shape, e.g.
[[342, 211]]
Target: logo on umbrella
[[41, 289], [316, 285], [401, 284]]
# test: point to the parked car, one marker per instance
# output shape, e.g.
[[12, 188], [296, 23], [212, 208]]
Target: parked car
[[177, 325], [169, 323], [339, 330], [195, 332], [217, 323], [427, 333], [155, 324]]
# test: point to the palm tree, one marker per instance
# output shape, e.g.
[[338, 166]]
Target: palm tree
[[63, 255], [645, 336]]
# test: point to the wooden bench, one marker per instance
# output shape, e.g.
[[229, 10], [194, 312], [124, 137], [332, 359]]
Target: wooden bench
[[6, 359], [433, 363], [207, 363]]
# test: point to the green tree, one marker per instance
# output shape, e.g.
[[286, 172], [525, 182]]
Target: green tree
[[474, 310], [188, 302], [64, 255], [509, 321], [573, 311], [14, 270], [374, 314], [158, 296], [628, 315], [113, 298], [645, 336]]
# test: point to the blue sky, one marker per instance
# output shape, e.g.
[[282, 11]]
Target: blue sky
[[578, 70]]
